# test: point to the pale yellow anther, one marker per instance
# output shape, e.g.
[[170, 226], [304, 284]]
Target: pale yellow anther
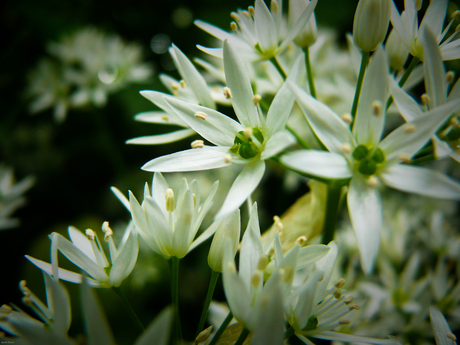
[[425, 99], [354, 307], [348, 300], [340, 283], [204, 335], [274, 8], [246, 14], [251, 10], [107, 231], [262, 263], [337, 294], [377, 108], [457, 29], [231, 267], [373, 181], [256, 99], [170, 200], [409, 128], [450, 75], [91, 234], [175, 87], [344, 322], [227, 92], [455, 14], [165, 118], [451, 336], [201, 115], [27, 301], [347, 118], [197, 144], [404, 157], [301, 240], [346, 148], [256, 278], [288, 274], [454, 122], [248, 132], [233, 26], [277, 222], [235, 16], [183, 84], [227, 158], [22, 286], [175, 93]]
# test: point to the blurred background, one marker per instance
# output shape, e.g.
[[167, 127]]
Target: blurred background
[[76, 159]]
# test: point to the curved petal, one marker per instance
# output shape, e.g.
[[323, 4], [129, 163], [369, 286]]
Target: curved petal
[[120, 196], [280, 109], [157, 98], [125, 260], [435, 73], [277, 143], [159, 117], [183, 231], [265, 28], [162, 138], [81, 242], [243, 186], [158, 331], [421, 181], [407, 106], [365, 210]]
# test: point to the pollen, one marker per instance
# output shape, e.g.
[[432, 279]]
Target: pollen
[[247, 14], [227, 92], [354, 307], [277, 222], [256, 99], [340, 283], [404, 157], [348, 300], [344, 322], [346, 148], [227, 158], [107, 231], [234, 26], [251, 10], [347, 118], [175, 87], [235, 16], [165, 118], [425, 99], [301, 240], [377, 108], [337, 294], [197, 144], [90, 233], [373, 181], [183, 84], [409, 128], [288, 274], [274, 8], [450, 75], [201, 115]]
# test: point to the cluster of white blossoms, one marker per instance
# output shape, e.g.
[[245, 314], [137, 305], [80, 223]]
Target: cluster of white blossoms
[[282, 92], [84, 69]]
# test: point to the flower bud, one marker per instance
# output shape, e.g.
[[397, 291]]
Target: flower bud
[[308, 35], [396, 51], [370, 25]]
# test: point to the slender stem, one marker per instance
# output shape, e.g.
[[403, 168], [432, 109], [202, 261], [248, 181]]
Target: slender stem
[[311, 83], [362, 70], [207, 302], [407, 73], [221, 329], [289, 333], [280, 69], [332, 210], [300, 140], [175, 299], [243, 335], [128, 308]]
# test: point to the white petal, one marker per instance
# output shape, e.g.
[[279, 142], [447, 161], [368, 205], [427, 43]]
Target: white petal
[[434, 16], [440, 327], [329, 335], [208, 157], [280, 109], [159, 188], [240, 86], [158, 331], [159, 228], [243, 186], [368, 126], [406, 32], [324, 164], [421, 181], [162, 138], [158, 99], [277, 143], [159, 117], [435, 73], [184, 233], [365, 210], [123, 199], [407, 106], [58, 300], [81, 242], [125, 260], [265, 27]]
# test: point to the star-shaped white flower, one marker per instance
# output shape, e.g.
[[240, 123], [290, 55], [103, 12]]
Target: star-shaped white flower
[[250, 141], [366, 161]]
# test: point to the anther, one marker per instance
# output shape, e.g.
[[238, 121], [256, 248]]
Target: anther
[[455, 14], [337, 294], [347, 118], [231, 267], [454, 122], [235, 16], [107, 231], [203, 336], [418, 4], [271, 252], [377, 108], [348, 300], [344, 322], [246, 13], [183, 83], [248, 132], [354, 307], [301, 240], [170, 201], [90, 233], [346, 148], [451, 336], [227, 92], [227, 158], [256, 99], [404, 157], [201, 115], [175, 87], [262, 263], [373, 181], [277, 222], [340, 283], [197, 144], [27, 301], [23, 287], [274, 6], [251, 10], [165, 118], [409, 128], [256, 278], [425, 99], [288, 274], [234, 26]]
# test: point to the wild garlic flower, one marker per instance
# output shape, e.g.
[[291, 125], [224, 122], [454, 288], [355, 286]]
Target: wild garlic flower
[[53, 321], [309, 34], [407, 27], [258, 32], [11, 196], [86, 252], [360, 156], [250, 141], [169, 221]]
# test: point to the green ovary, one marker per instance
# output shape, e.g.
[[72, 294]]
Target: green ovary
[[368, 160], [244, 146]]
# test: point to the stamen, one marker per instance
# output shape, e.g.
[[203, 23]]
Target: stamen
[[201, 115], [373, 181], [246, 13], [165, 118], [256, 279], [248, 132], [450, 75], [256, 99], [278, 223], [354, 307], [425, 99], [409, 128], [233, 26], [204, 335], [348, 300], [182, 83], [90, 233], [344, 322], [346, 148], [251, 10], [27, 301], [337, 294], [175, 87], [301, 240], [107, 230], [170, 201], [235, 16], [194, 201], [451, 336], [24, 289], [340, 283], [274, 6], [197, 144], [227, 158], [347, 118], [262, 263], [454, 122], [404, 157], [377, 108], [227, 93], [455, 14]]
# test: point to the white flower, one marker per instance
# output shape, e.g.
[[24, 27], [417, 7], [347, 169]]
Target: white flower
[[249, 141], [168, 226], [87, 253], [366, 161], [258, 33]]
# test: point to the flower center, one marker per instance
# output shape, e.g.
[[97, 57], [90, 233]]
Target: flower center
[[368, 160], [248, 143]]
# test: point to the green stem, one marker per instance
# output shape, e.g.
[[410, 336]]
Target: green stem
[[280, 69], [362, 70], [300, 140], [175, 299], [243, 335], [407, 73], [221, 329], [128, 308], [289, 333], [311, 83], [332, 210], [207, 302]]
